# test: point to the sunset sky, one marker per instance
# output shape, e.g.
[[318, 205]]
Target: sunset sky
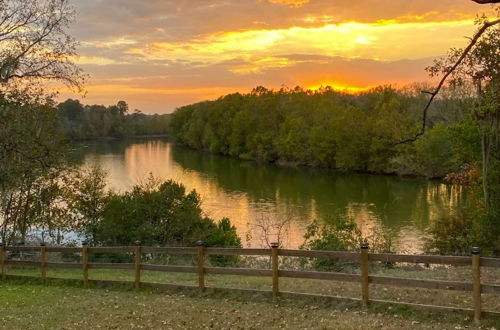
[[161, 54]]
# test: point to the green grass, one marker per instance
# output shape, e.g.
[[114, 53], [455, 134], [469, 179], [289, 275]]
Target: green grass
[[25, 301], [29, 305], [345, 289]]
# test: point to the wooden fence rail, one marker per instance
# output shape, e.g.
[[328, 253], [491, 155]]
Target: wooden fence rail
[[363, 257]]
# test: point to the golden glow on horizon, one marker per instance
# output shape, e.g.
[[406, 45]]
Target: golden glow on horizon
[[339, 87], [125, 89]]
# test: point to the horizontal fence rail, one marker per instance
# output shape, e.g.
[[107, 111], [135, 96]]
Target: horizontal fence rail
[[423, 259], [169, 250], [475, 261], [235, 252]]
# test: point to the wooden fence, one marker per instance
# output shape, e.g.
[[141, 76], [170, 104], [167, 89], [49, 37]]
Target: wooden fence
[[475, 261]]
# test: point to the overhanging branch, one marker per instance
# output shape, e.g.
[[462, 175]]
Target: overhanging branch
[[434, 93], [483, 2]]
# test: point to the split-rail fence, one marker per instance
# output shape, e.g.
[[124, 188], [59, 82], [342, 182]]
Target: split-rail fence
[[200, 252]]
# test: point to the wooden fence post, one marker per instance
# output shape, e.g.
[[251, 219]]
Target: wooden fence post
[[364, 273], [85, 262], [2, 260], [476, 283], [275, 268], [43, 261], [137, 264], [201, 264]]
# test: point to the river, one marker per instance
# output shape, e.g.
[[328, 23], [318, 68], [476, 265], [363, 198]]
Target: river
[[259, 197]]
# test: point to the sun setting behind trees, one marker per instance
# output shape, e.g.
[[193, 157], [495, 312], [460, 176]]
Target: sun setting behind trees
[[163, 54]]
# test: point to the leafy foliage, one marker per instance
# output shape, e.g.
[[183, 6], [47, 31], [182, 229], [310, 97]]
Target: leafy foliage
[[341, 233], [454, 234], [31, 167], [480, 68], [158, 215], [326, 128], [87, 197]]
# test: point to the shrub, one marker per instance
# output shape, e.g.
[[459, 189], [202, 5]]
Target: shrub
[[453, 233], [224, 234], [340, 233], [163, 215], [470, 225]]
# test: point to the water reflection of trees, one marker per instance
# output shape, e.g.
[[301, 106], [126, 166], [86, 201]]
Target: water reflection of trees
[[394, 201]]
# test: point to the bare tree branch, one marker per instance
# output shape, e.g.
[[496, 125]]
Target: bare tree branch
[[34, 43], [483, 2], [434, 93]]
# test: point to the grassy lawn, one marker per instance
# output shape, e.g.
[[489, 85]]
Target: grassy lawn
[[346, 289], [28, 305]]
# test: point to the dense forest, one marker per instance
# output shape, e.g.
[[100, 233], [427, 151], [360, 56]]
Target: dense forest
[[80, 121], [333, 129]]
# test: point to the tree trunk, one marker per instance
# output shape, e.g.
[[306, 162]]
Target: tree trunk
[[486, 146]]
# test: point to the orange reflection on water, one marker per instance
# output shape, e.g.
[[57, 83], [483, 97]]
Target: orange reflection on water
[[155, 158], [405, 206], [442, 199]]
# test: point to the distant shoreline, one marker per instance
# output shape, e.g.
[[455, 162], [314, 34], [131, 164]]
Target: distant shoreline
[[113, 138]]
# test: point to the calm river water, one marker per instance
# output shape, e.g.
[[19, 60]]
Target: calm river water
[[256, 196]]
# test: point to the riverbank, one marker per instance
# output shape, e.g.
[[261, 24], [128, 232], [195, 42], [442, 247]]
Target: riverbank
[[123, 138], [283, 163]]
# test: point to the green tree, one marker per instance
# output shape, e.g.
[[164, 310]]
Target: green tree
[[34, 47], [480, 67], [32, 154], [87, 198], [161, 214]]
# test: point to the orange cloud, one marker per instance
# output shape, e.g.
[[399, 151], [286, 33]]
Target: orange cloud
[[386, 41], [260, 65], [297, 3]]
